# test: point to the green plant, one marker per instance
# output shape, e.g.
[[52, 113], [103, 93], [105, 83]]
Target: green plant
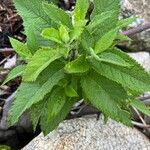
[[70, 57]]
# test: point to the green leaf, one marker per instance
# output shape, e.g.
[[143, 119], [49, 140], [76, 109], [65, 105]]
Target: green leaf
[[80, 12], [57, 15], [87, 40], [125, 22], [140, 106], [70, 91], [35, 19], [134, 78], [98, 20], [16, 72], [109, 57], [4, 147], [57, 109], [79, 65], [101, 6], [21, 49], [41, 59], [76, 33], [63, 31], [104, 94], [30, 93], [36, 112], [105, 41], [123, 37], [51, 34]]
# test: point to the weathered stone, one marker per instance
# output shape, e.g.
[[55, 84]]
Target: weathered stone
[[139, 9], [88, 133]]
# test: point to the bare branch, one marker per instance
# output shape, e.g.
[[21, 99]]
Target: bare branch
[[137, 29]]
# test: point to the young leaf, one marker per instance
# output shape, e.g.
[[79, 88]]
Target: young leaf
[[123, 37], [79, 65], [21, 49], [70, 91], [41, 59], [109, 57], [134, 78], [80, 12], [16, 72], [140, 106], [51, 34], [30, 93], [125, 22], [105, 41], [57, 15], [35, 19], [87, 40], [76, 33], [64, 34], [57, 109], [104, 94]]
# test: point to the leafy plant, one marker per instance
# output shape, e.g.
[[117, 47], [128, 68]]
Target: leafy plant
[[70, 57]]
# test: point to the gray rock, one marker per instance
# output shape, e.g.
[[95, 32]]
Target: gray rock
[[139, 9], [87, 133]]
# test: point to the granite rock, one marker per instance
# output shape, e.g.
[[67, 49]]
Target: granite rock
[[87, 133]]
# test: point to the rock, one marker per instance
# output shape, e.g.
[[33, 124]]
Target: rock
[[139, 9], [87, 133]]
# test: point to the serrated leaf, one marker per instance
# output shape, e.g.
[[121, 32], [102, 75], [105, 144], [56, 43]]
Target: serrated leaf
[[21, 49], [70, 91], [105, 41], [16, 72], [30, 93], [57, 15], [41, 59], [134, 78], [98, 20], [76, 33], [64, 34], [36, 112], [80, 12], [109, 57], [101, 6], [140, 106], [79, 65], [104, 94], [87, 40], [57, 109], [51, 34], [123, 37], [125, 22], [35, 19]]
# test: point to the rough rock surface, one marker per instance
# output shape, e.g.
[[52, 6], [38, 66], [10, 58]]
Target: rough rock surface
[[87, 133], [139, 9]]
